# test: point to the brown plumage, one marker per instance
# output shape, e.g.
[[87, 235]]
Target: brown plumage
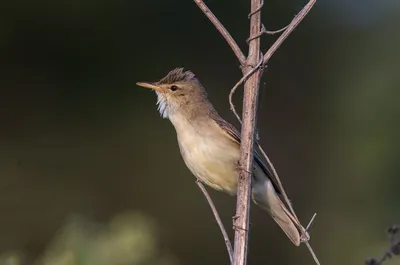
[[210, 146], [178, 75]]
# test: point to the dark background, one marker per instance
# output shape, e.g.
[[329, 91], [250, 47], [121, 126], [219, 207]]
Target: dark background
[[90, 174]]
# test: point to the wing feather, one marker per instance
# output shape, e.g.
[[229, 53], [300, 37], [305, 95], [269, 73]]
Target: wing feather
[[234, 134]]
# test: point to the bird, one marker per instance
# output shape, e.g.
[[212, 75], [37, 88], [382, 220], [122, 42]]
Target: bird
[[210, 146]]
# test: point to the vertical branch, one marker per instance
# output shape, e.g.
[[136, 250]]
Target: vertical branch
[[250, 101], [252, 69]]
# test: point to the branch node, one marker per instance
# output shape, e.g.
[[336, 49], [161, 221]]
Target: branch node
[[311, 222], [265, 31], [305, 236], [239, 167], [236, 228]]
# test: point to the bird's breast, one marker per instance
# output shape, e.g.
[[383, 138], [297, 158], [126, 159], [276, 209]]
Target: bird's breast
[[211, 156]]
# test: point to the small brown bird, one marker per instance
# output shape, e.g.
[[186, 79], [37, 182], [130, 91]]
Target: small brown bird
[[210, 146]]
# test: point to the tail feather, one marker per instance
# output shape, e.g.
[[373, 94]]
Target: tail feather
[[265, 196]]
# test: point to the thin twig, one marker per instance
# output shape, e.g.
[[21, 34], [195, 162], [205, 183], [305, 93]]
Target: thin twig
[[233, 90], [265, 31], [258, 9], [218, 219], [273, 32], [305, 235], [238, 52], [311, 222], [295, 22]]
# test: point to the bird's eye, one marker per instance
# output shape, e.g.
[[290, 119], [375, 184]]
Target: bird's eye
[[173, 88]]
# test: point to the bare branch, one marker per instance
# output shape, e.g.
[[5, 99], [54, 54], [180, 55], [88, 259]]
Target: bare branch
[[239, 54], [295, 22], [218, 219], [249, 113], [252, 69]]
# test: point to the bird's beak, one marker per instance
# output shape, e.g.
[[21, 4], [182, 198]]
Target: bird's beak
[[149, 85]]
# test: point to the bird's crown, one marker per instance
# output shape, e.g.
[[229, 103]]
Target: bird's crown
[[178, 75]]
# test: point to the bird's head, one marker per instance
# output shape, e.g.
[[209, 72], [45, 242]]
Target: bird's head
[[178, 91]]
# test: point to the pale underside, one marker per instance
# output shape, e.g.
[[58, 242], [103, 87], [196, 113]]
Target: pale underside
[[211, 158], [210, 148]]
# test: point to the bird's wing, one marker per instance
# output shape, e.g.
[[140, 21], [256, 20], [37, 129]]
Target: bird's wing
[[234, 135], [273, 202]]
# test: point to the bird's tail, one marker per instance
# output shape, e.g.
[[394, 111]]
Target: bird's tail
[[265, 196]]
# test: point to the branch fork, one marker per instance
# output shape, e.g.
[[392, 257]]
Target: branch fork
[[252, 68]]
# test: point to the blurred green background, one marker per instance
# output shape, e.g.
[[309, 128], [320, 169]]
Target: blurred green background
[[90, 174]]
